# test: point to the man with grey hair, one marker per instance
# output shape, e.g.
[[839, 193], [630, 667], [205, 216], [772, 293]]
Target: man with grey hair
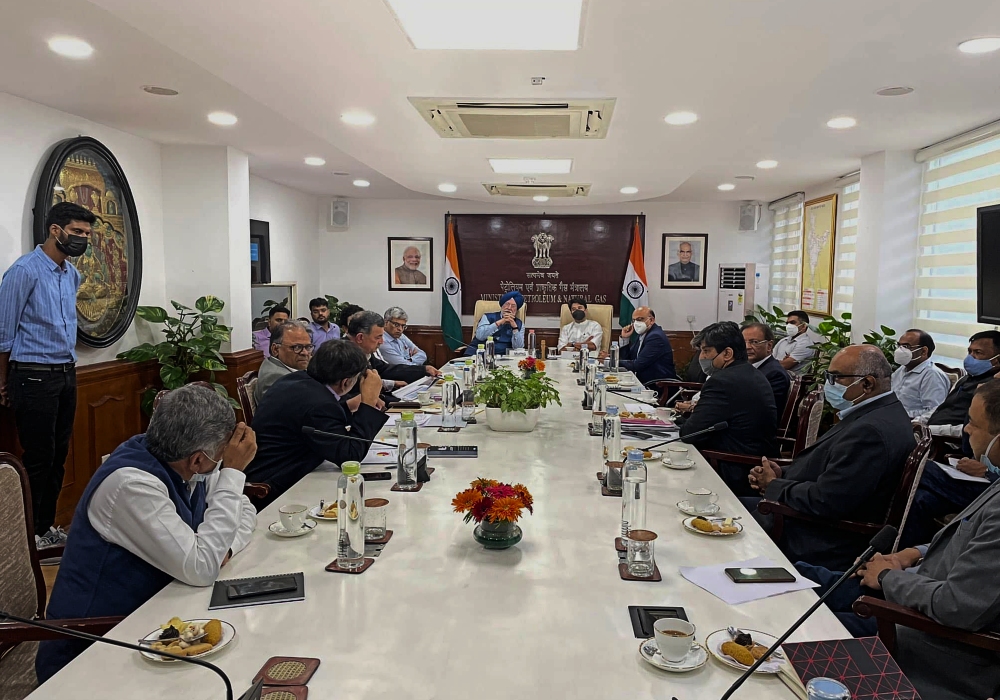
[[160, 508], [367, 330], [396, 348], [291, 348], [851, 472]]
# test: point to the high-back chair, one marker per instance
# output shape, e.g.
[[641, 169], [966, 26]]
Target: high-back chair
[[788, 420], [484, 307], [602, 313], [954, 373], [809, 416], [245, 386]]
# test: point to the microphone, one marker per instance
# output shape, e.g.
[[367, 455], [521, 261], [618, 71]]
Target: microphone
[[309, 430], [629, 394], [723, 425], [880, 543], [134, 647]]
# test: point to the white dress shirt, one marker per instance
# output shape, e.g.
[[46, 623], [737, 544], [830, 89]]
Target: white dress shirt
[[798, 348], [131, 508], [921, 390], [396, 351], [578, 332]]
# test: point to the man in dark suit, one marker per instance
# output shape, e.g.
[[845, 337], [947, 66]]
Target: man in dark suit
[[315, 398], [366, 329], [851, 472], [760, 342], [647, 353], [736, 393]]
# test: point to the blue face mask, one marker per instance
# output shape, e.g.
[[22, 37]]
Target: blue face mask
[[985, 459], [197, 478], [976, 367], [834, 394]]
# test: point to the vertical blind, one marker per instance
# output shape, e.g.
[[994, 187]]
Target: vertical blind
[[786, 257], [847, 237], [954, 186]]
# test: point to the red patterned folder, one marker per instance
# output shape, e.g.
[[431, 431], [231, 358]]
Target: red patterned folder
[[863, 665]]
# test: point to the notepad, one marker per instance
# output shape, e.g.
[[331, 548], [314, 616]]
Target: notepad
[[221, 600], [958, 474]]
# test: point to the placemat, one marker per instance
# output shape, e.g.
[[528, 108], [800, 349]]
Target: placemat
[[864, 665], [285, 692], [385, 538], [395, 487], [287, 670], [333, 568], [626, 576]]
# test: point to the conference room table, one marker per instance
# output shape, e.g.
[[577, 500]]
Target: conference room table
[[439, 617]]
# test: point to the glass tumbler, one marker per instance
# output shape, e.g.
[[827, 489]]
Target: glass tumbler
[[639, 553], [375, 514]]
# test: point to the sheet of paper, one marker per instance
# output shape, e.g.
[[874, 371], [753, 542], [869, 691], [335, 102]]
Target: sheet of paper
[[640, 408], [714, 580], [380, 455], [959, 475], [409, 392]]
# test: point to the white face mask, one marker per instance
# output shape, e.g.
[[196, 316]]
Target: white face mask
[[195, 478], [639, 327], [903, 356], [791, 329]]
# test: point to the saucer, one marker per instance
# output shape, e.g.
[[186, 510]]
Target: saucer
[[715, 641], [315, 513], [276, 528], [686, 508], [696, 658], [683, 464], [691, 528]]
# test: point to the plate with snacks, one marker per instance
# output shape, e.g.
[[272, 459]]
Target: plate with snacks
[[713, 527], [327, 512], [742, 651], [192, 638], [647, 455], [611, 380]]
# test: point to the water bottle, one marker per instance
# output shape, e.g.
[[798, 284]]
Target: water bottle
[[469, 394], [450, 407], [351, 517], [491, 354], [600, 403], [531, 343], [615, 352], [406, 462], [611, 443], [633, 493], [480, 366]]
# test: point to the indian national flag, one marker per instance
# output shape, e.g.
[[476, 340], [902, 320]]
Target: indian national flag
[[634, 292], [451, 293]]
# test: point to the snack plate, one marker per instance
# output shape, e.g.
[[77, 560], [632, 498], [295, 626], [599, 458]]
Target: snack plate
[[228, 635], [715, 641], [314, 512], [691, 528]]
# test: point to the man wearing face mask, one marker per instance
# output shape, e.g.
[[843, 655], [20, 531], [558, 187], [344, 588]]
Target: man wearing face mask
[[38, 357], [737, 393], [982, 363], [851, 472], [165, 505], [581, 331], [647, 352], [920, 384], [796, 349]]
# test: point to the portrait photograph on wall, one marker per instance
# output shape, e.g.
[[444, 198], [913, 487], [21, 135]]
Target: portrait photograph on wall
[[683, 264], [819, 226], [411, 264], [83, 171]]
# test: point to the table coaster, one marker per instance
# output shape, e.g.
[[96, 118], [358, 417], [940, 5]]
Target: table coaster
[[613, 494], [284, 692], [600, 477], [620, 544], [626, 576], [580, 382], [395, 487], [385, 538], [333, 568], [594, 432], [287, 670]]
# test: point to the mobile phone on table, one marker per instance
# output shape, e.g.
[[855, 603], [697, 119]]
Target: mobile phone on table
[[249, 589], [762, 575]]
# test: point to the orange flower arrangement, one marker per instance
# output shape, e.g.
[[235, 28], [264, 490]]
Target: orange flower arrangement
[[488, 499], [531, 364]]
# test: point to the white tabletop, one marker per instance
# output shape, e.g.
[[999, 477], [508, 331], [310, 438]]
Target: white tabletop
[[438, 616]]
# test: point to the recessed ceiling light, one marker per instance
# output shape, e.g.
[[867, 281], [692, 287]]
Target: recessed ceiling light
[[986, 44], [447, 187], [161, 91], [222, 118], [531, 166], [842, 123], [727, 186], [767, 164], [361, 183], [541, 198], [521, 25], [629, 190], [71, 47], [680, 118], [357, 118], [894, 91], [315, 160]]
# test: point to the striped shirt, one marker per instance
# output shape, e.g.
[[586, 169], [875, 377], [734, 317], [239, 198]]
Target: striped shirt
[[38, 310]]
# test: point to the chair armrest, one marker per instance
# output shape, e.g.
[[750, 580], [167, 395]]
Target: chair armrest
[[17, 632], [766, 507], [255, 491], [883, 610]]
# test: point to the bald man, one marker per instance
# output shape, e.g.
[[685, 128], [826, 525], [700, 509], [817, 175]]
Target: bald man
[[684, 270], [408, 272], [646, 352]]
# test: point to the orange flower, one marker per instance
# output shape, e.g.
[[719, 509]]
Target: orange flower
[[506, 509], [484, 483], [524, 495], [465, 500], [540, 365]]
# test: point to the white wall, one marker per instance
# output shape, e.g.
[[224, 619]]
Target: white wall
[[354, 266], [27, 135]]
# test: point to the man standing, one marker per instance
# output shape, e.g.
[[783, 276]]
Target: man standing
[[920, 384], [982, 363], [408, 272], [647, 352], [760, 342], [397, 349], [581, 332], [685, 270], [796, 349], [38, 357], [322, 329], [291, 350], [275, 317]]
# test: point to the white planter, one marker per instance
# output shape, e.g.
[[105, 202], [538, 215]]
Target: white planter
[[513, 422]]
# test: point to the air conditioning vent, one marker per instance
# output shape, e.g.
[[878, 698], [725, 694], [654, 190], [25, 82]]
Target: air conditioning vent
[[732, 277], [570, 119], [533, 190]]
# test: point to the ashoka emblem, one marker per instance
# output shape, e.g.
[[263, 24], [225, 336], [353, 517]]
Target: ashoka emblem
[[635, 289], [451, 286]]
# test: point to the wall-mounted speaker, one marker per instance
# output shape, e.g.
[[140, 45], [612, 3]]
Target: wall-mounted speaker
[[749, 216], [339, 218]]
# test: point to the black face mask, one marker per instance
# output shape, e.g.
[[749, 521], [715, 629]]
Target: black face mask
[[74, 245], [579, 315]]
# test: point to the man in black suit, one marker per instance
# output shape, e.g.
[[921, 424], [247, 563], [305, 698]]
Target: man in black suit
[[315, 398], [982, 364], [851, 472], [736, 393], [366, 329], [760, 342], [647, 353]]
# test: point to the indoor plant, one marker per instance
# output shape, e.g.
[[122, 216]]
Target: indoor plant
[[513, 403], [496, 508]]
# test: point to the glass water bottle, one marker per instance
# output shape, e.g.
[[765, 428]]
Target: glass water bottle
[[480, 362], [451, 410], [531, 343], [351, 517], [611, 443], [406, 461], [633, 493], [600, 403], [491, 354], [614, 355]]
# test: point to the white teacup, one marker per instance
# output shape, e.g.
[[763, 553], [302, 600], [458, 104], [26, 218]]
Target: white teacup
[[674, 638], [702, 499], [678, 453], [424, 396], [648, 395], [293, 517]]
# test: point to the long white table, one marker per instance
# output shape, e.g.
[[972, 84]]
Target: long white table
[[437, 616]]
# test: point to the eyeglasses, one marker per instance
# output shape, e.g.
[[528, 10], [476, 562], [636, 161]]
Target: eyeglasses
[[755, 343], [832, 377], [299, 349], [397, 324]]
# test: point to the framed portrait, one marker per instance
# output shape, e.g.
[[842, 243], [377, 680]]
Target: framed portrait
[[83, 171], [819, 239], [683, 263], [411, 264]]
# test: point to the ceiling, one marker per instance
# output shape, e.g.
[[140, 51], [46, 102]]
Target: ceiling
[[764, 77]]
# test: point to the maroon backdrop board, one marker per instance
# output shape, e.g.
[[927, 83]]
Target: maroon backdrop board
[[549, 259]]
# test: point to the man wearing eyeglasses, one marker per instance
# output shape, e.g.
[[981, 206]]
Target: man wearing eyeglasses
[[760, 342], [396, 348], [920, 385], [291, 349]]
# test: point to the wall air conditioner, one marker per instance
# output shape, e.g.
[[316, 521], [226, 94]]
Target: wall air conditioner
[[516, 119], [523, 189], [737, 283]]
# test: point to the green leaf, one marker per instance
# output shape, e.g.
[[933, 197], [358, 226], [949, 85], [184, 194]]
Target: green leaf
[[179, 306], [165, 351], [211, 364], [146, 402], [210, 304], [888, 331], [140, 353], [153, 314], [846, 316], [173, 377]]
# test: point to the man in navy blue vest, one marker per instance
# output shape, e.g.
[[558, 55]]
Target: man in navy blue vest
[[160, 508], [504, 325]]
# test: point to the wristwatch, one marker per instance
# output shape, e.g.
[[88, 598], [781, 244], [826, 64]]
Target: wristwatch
[[881, 575]]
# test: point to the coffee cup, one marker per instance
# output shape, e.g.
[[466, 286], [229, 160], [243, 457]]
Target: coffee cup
[[702, 499], [424, 396], [648, 395], [678, 454], [293, 517], [674, 638]]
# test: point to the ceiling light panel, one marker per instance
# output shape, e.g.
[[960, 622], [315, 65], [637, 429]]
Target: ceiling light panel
[[767, 164], [357, 118], [531, 166], [680, 118], [727, 187], [447, 187], [513, 25], [222, 118], [984, 45], [361, 183], [315, 161], [842, 123], [629, 190], [71, 47]]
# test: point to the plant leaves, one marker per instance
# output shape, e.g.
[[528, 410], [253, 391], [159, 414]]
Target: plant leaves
[[209, 304], [173, 377], [139, 353], [153, 314], [179, 306], [888, 331], [210, 363]]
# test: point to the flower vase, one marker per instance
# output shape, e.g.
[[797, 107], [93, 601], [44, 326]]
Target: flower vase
[[526, 374], [499, 535]]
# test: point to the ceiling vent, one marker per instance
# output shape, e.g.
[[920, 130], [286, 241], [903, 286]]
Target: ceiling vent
[[517, 119], [533, 190]]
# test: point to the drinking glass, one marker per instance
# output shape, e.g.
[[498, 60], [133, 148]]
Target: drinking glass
[[376, 510], [639, 553]]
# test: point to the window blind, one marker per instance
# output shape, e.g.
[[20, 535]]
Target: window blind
[[955, 184], [847, 238], [786, 257]]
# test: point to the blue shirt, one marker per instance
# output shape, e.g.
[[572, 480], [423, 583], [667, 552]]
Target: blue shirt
[[396, 351], [320, 336], [38, 310]]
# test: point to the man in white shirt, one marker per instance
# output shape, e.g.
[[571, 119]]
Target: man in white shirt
[[581, 331], [160, 508], [396, 348], [796, 349], [920, 384]]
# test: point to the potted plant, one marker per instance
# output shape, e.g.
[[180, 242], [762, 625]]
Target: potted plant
[[496, 508], [513, 403]]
